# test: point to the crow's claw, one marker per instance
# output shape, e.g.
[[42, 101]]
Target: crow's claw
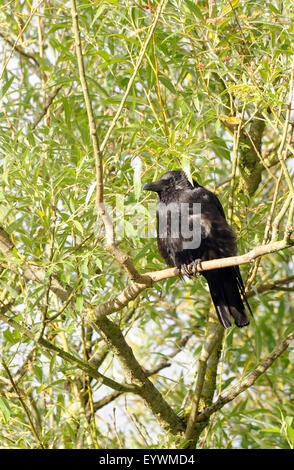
[[190, 269], [193, 267]]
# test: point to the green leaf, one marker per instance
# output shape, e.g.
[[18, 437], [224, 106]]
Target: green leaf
[[6, 86], [90, 192], [78, 226], [290, 431], [258, 342], [80, 302], [194, 9], [5, 409], [167, 83], [12, 338], [289, 329], [52, 363], [38, 372], [186, 166]]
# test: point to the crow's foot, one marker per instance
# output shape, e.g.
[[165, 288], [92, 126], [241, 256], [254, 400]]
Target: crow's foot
[[192, 268]]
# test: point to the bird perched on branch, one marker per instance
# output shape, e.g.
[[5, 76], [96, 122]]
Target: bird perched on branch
[[192, 227]]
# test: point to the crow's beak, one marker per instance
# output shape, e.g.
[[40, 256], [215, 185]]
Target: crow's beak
[[156, 186]]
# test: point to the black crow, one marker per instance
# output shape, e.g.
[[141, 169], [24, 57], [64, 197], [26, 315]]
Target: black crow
[[186, 237]]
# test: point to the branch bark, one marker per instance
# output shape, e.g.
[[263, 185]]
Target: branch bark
[[36, 273], [135, 375], [247, 381], [136, 378], [205, 378], [133, 290], [249, 163], [76, 361]]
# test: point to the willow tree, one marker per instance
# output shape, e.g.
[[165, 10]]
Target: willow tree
[[102, 346]]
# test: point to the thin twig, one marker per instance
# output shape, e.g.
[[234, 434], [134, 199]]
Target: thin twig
[[23, 404], [49, 280], [252, 274], [237, 134], [279, 217], [46, 106], [280, 153], [89, 388], [92, 124], [160, 8], [247, 381], [19, 36], [75, 360]]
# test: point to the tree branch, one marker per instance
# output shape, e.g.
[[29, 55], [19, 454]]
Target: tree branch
[[92, 124], [20, 50], [36, 273], [47, 105], [275, 285], [68, 357], [136, 375], [149, 373], [133, 290], [213, 340], [137, 66], [247, 381], [24, 406]]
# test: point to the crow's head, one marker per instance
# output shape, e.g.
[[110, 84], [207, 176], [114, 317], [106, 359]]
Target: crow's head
[[170, 181]]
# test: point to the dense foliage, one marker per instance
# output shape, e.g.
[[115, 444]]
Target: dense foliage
[[212, 95]]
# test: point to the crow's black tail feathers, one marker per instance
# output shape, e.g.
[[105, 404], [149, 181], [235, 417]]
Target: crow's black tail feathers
[[226, 288], [241, 286]]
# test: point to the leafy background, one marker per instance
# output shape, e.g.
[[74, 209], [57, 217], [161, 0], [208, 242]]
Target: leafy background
[[212, 72]]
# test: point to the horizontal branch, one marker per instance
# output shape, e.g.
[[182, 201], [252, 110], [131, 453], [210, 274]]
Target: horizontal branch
[[133, 290], [37, 273], [279, 284]]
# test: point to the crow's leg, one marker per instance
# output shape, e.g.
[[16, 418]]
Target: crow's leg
[[191, 269]]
